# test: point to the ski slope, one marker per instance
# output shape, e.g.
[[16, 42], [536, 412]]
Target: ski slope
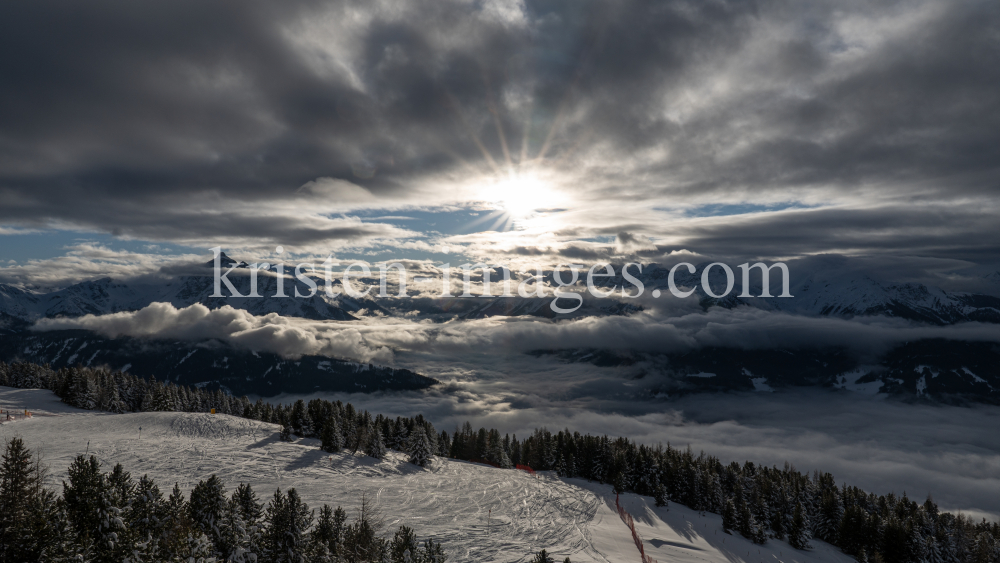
[[480, 513]]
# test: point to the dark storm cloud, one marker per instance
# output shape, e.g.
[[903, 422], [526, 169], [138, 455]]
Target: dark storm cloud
[[180, 120], [957, 232]]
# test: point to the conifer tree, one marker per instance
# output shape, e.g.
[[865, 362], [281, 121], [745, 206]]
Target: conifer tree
[[81, 498], [361, 538], [235, 540], [375, 447], [251, 510], [196, 548], [797, 534], [327, 535], [176, 525], [495, 451], [434, 553], [288, 521], [206, 508], [330, 436], [419, 448], [300, 420], [122, 487], [729, 519], [24, 505], [403, 544], [660, 497], [145, 519], [444, 444]]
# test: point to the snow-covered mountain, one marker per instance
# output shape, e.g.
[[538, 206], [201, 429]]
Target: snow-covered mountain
[[106, 295], [830, 291], [479, 513], [819, 291]]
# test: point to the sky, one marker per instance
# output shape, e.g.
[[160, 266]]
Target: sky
[[138, 135]]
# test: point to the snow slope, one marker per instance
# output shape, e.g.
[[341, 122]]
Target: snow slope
[[481, 514]]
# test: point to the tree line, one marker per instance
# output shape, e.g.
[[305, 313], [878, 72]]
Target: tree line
[[755, 501]]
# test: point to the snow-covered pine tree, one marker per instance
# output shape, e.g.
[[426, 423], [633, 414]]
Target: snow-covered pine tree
[[252, 513], [111, 400], [419, 448], [444, 444], [235, 538], [122, 487], [144, 519], [197, 548], [84, 392], [660, 497], [206, 508], [400, 433], [173, 398], [830, 509], [176, 525], [798, 534], [375, 447], [328, 533], [23, 505], [432, 552], [730, 521], [299, 419], [86, 485], [932, 551], [403, 545], [548, 451], [747, 523], [495, 452], [330, 440], [984, 549], [112, 537], [288, 521], [482, 444], [162, 402], [148, 402]]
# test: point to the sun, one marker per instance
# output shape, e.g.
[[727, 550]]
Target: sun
[[520, 195]]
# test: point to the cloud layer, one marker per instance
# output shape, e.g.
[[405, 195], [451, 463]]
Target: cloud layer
[[859, 127], [654, 331]]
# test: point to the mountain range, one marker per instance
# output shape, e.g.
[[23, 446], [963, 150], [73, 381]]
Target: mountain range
[[819, 292], [920, 370]]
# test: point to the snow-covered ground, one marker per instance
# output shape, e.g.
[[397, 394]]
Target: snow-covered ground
[[481, 514]]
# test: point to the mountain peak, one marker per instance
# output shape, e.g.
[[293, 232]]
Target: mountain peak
[[224, 261]]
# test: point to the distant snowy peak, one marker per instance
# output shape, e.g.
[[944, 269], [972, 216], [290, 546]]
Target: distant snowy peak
[[866, 296], [104, 296], [827, 290], [829, 293], [226, 262], [91, 297]]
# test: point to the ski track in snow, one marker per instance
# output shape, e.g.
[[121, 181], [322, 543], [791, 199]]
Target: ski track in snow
[[480, 513]]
